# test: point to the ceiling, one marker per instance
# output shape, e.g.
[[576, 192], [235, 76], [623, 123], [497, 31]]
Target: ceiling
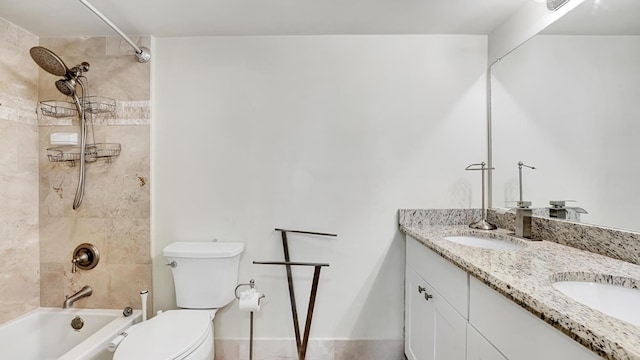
[[177, 18], [600, 17]]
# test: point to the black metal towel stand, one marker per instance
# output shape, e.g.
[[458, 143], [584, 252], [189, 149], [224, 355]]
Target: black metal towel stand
[[300, 343]]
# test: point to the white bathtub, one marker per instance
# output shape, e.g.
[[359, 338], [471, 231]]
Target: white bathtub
[[46, 334]]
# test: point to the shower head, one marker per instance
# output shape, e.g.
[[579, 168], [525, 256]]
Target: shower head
[[51, 63], [48, 61], [66, 86]]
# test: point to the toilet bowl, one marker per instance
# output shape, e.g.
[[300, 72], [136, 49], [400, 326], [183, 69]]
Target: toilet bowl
[[204, 275], [172, 335]]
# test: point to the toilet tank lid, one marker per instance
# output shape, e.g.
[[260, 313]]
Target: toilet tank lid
[[203, 249]]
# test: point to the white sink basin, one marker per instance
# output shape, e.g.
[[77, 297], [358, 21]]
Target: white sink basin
[[616, 301], [486, 243]]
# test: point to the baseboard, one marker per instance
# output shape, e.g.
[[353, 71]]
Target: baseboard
[[318, 349]]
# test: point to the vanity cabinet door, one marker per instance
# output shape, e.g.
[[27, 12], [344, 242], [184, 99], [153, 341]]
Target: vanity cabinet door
[[416, 327], [517, 333], [434, 330], [478, 348]]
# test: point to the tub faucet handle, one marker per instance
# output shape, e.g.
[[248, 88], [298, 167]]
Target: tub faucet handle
[[80, 259], [85, 256]]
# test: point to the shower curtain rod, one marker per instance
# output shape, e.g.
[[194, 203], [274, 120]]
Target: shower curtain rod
[[142, 53]]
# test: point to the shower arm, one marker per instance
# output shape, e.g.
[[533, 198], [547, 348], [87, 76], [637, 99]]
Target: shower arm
[[142, 53]]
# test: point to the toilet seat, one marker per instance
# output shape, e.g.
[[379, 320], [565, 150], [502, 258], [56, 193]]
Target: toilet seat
[[172, 335]]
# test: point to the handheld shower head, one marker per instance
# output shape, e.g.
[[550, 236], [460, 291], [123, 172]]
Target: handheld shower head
[[66, 86], [48, 61]]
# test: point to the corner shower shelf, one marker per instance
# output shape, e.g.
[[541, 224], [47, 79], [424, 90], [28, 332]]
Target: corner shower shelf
[[100, 151], [58, 109]]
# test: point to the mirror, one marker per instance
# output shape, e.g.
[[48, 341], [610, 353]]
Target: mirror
[[568, 102]]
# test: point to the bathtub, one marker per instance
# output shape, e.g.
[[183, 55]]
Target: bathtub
[[46, 334]]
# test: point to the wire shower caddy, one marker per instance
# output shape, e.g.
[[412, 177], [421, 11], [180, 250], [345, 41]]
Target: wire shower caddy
[[92, 105]]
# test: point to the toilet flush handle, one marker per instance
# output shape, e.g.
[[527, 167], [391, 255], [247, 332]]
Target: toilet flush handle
[[172, 264]]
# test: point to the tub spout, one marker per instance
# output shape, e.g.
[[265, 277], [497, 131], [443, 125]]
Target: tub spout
[[69, 300]]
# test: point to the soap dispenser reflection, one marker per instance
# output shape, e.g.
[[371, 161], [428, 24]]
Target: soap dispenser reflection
[[523, 210]]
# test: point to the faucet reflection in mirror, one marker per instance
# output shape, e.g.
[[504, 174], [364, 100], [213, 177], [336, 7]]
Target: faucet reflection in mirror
[[482, 224], [559, 210], [523, 212]]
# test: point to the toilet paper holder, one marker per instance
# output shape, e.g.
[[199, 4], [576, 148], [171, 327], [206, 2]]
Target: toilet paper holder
[[251, 284]]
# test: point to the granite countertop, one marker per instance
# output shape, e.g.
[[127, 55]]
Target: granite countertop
[[525, 276]]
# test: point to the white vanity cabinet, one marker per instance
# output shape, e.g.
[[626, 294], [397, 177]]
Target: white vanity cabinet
[[435, 329], [462, 318], [516, 332], [479, 348]]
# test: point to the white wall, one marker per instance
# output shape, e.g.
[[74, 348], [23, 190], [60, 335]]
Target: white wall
[[327, 133], [569, 105]]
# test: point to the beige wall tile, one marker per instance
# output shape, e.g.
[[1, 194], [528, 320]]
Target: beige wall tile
[[77, 46], [27, 147], [16, 36], [26, 40], [54, 239], [128, 241], [52, 193], [18, 286], [20, 265], [52, 284], [115, 212], [8, 32], [18, 71], [8, 147], [36, 195]]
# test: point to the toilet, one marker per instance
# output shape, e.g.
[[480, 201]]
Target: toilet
[[205, 275]]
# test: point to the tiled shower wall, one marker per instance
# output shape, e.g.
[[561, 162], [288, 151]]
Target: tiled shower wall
[[19, 261], [116, 210]]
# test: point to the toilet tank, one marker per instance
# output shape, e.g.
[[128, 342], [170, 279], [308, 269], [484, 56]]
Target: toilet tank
[[205, 273]]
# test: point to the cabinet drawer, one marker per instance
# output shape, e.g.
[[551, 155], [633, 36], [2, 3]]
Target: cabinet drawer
[[450, 281], [517, 333]]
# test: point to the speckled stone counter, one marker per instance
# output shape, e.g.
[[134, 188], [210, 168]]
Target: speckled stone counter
[[525, 277]]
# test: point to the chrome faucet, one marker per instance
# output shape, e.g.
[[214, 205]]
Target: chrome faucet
[[69, 300], [523, 212]]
